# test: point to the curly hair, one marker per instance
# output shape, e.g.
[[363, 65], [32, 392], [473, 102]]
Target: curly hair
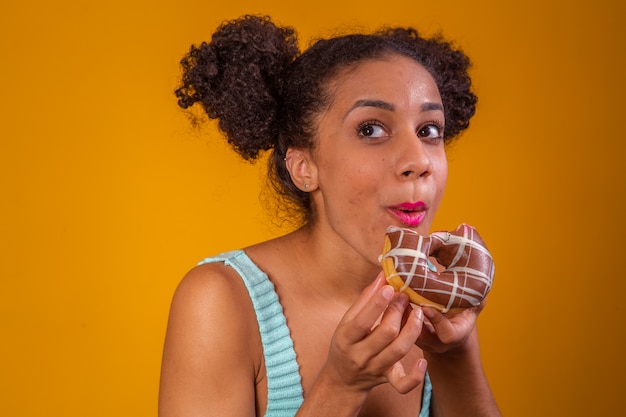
[[266, 94]]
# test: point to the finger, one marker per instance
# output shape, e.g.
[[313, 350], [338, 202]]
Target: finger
[[452, 328], [391, 323], [441, 324], [399, 346], [408, 335], [406, 380], [427, 326], [357, 326], [365, 296]]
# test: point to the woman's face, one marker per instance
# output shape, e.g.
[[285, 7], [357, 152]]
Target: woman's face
[[379, 155]]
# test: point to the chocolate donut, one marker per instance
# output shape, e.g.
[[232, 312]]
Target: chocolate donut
[[465, 281]]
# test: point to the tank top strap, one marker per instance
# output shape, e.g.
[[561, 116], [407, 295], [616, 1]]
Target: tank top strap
[[284, 386]]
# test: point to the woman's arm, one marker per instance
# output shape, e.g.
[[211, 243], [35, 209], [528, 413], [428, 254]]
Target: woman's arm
[[210, 360], [460, 387], [209, 355], [366, 349]]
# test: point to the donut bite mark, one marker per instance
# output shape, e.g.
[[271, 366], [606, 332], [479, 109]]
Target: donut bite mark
[[465, 281]]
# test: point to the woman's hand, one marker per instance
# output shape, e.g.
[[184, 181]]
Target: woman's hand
[[450, 342], [378, 330], [446, 332]]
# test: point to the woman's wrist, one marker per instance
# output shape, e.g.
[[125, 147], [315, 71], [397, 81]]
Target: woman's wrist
[[329, 396], [460, 386], [467, 353]]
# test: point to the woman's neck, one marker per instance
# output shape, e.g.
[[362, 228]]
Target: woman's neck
[[329, 266]]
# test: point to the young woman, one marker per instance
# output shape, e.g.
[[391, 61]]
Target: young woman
[[305, 324]]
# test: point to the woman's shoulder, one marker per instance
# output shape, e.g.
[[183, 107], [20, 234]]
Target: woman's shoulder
[[211, 332], [212, 312], [212, 288], [211, 303]]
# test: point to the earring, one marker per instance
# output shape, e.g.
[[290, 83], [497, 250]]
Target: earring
[[306, 186]]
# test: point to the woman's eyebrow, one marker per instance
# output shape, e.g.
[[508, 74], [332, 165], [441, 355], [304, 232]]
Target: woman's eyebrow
[[431, 105], [374, 103], [379, 104]]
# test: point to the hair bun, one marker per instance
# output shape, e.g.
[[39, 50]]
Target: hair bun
[[238, 77]]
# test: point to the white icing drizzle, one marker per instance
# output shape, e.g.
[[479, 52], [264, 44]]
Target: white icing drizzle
[[464, 284]]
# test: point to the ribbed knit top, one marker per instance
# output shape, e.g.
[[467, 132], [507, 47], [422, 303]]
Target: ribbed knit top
[[284, 387]]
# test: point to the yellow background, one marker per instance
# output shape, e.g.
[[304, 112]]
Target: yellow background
[[108, 196]]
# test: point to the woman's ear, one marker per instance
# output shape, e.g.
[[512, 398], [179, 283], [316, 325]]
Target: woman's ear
[[302, 169]]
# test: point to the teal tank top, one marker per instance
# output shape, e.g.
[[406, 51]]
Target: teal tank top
[[284, 387]]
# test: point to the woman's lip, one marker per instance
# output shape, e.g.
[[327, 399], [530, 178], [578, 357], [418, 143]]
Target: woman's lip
[[409, 214], [416, 206]]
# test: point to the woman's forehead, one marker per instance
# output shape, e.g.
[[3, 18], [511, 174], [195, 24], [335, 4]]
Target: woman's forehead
[[383, 80]]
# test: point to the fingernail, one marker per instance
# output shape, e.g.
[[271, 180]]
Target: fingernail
[[430, 313], [388, 292], [419, 314], [398, 369], [402, 300], [422, 365]]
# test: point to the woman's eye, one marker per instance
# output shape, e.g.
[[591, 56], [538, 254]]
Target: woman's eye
[[430, 131], [370, 130]]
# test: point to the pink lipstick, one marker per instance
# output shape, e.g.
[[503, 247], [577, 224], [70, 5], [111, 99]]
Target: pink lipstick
[[409, 214]]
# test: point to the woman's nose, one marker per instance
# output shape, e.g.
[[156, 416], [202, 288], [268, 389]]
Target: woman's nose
[[413, 159]]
